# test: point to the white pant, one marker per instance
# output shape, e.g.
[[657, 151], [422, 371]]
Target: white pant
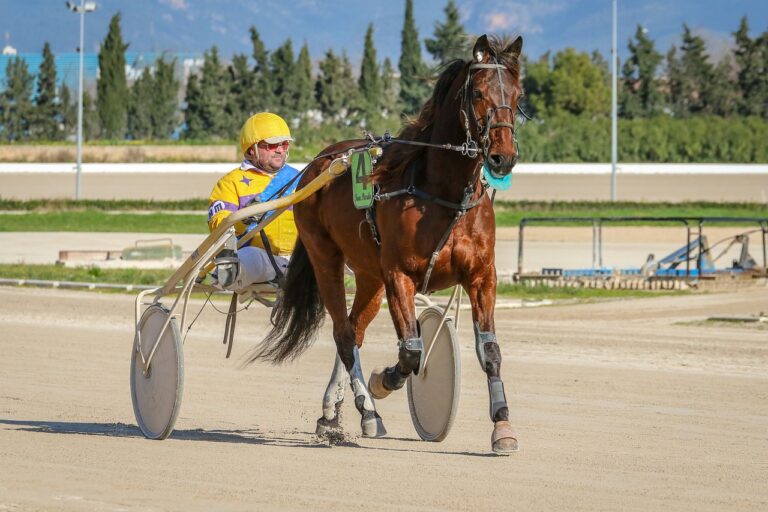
[[255, 267]]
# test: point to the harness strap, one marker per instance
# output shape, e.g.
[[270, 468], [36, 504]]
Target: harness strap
[[278, 273], [229, 327]]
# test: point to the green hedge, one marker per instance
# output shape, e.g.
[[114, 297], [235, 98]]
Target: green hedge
[[705, 139]]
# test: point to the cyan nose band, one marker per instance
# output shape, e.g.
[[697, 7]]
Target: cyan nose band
[[497, 183]]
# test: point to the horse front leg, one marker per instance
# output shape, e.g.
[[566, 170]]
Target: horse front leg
[[384, 380], [482, 295]]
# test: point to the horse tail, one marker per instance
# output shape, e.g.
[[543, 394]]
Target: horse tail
[[298, 314]]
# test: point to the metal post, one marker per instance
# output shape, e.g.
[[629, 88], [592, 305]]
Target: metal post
[[80, 104], [614, 108], [81, 9]]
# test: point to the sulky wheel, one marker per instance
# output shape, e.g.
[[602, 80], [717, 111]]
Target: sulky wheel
[[157, 394], [433, 394]]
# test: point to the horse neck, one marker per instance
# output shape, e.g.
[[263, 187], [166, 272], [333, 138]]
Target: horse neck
[[447, 173]]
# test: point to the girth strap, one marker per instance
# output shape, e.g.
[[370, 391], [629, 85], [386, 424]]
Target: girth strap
[[461, 209]]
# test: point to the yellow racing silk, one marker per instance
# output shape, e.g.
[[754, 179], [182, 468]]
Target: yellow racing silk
[[236, 190]]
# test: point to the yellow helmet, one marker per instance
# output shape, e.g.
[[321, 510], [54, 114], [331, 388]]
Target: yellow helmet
[[264, 126]]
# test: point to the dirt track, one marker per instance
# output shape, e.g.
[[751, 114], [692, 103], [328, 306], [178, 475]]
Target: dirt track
[[624, 405]]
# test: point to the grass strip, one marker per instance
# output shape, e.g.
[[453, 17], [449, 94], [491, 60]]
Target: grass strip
[[105, 222], [92, 274], [158, 217], [153, 277]]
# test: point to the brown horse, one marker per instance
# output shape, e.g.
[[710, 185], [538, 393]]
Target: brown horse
[[430, 200]]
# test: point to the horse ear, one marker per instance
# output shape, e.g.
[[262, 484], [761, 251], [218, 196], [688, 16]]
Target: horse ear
[[517, 46], [481, 48]]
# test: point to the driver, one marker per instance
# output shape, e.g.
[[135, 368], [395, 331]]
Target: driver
[[263, 175]]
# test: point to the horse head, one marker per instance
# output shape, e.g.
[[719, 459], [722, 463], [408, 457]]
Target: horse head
[[491, 94]]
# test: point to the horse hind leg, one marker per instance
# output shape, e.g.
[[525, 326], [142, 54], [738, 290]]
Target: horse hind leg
[[333, 399], [331, 284], [370, 422]]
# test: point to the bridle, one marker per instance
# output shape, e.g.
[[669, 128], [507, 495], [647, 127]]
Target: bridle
[[468, 110]]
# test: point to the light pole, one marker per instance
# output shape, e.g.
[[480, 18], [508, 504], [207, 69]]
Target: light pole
[[81, 10], [614, 107]]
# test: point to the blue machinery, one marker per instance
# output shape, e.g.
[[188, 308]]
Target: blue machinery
[[696, 250]]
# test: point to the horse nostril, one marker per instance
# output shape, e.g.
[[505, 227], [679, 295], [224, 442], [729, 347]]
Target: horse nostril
[[496, 160]]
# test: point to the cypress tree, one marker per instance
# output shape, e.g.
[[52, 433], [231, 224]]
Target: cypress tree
[[413, 87], [751, 56], [140, 107], [207, 99], [283, 71], [68, 110], [91, 118], [265, 99], [641, 96], [112, 86], [388, 88], [242, 86], [370, 80], [47, 111], [328, 89], [305, 98], [451, 41], [697, 72], [16, 101], [165, 99]]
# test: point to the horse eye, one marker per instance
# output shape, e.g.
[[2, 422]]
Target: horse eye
[[477, 95]]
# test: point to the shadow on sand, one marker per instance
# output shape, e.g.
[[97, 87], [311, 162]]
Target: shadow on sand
[[243, 436]]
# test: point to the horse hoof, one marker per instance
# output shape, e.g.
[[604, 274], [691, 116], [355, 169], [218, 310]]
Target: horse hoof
[[503, 439], [325, 427], [376, 384], [372, 425]]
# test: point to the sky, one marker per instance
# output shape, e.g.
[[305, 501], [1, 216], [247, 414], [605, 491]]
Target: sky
[[197, 25]]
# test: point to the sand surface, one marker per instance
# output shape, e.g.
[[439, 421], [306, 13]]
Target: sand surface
[[619, 405]]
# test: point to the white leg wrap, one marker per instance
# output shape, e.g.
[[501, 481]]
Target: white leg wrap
[[359, 386], [334, 393]]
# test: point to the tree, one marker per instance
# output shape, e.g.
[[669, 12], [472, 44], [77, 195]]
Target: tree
[[207, 99], [112, 86], [751, 58], [641, 96], [698, 84], [15, 102], [388, 87], [305, 97], [47, 115], [329, 90], [413, 87], [68, 109], [370, 80], [537, 84], [242, 86], [152, 110], [264, 99], [574, 84], [283, 70], [91, 126], [140, 107], [677, 98], [451, 41], [165, 99]]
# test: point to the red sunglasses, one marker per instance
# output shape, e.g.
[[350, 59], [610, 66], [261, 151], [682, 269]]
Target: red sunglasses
[[273, 147]]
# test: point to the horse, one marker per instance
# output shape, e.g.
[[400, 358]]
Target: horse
[[432, 226]]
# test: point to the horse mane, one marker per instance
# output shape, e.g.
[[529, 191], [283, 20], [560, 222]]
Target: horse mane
[[420, 128]]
